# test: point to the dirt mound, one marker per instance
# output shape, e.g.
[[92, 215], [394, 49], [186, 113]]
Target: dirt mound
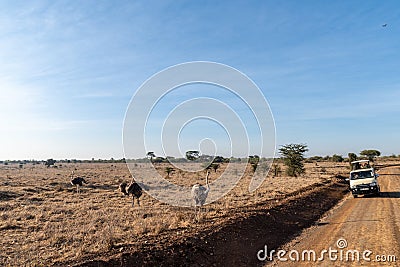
[[236, 242]]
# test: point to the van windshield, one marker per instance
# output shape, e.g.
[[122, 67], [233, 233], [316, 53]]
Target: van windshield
[[362, 175]]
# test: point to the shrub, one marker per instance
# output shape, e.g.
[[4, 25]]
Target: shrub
[[337, 158]]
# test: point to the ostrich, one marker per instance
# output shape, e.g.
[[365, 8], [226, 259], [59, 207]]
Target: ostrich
[[133, 188], [200, 193], [78, 181]]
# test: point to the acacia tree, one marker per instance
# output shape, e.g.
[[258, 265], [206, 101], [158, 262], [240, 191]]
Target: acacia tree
[[352, 157], [192, 155], [169, 170], [293, 157], [371, 154], [49, 162]]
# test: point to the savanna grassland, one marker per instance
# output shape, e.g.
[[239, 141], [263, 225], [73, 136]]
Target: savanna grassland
[[44, 221]]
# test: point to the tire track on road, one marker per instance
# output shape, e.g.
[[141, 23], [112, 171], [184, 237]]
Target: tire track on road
[[366, 223]]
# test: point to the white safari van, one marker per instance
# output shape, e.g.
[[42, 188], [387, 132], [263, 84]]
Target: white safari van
[[363, 179]]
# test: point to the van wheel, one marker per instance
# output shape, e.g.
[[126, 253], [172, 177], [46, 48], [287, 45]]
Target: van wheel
[[355, 196]]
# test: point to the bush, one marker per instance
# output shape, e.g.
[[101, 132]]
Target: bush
[[315, 158], [337, 158]]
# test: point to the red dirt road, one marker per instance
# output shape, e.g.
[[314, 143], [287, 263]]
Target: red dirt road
[[366, 223]]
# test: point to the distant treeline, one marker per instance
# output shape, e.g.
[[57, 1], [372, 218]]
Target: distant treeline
[[201, 159]]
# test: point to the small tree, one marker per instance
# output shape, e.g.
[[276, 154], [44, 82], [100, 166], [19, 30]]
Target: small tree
[[352, 157], [49, 162], [253, 160], [371, 154], [293, 156], [192, 155], [169, 170]]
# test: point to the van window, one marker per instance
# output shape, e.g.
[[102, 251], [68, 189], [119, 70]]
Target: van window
[[362, 175]]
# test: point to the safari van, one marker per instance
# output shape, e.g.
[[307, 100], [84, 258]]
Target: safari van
[[363, 179]]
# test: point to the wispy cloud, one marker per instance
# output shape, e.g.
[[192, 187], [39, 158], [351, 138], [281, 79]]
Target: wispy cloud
[[68, 69]]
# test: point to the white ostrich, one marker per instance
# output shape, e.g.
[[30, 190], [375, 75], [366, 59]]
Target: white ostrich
[[200, 193], [78, 181]]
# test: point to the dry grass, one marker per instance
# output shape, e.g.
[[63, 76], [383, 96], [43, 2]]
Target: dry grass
[[44, 220]]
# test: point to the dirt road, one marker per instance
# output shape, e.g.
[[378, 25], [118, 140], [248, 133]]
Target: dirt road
[[353, 228]]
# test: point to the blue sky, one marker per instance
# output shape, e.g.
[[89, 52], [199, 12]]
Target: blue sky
[[68, 69]]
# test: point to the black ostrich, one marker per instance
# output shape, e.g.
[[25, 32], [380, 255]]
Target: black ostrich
[[132, 189], [77, 181]]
